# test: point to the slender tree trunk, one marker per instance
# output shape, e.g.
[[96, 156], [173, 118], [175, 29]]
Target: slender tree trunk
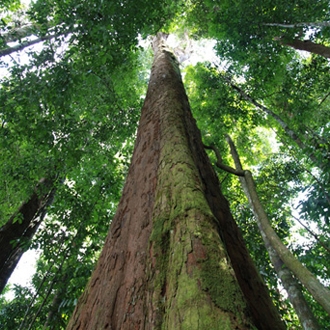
[[52, 321], [49, 291], [289, 282], [20, 228], [320, 293], [164, 264], [308, 46]]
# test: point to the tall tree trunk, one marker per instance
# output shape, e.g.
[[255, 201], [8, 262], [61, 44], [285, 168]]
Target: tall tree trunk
[[164, 264], [289, 282], [308, 46], [20, 229]]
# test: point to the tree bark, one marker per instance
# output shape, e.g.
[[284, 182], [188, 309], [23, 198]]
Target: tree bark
[[293, 289], [290, 283], [164, 264], [308, 46], [20, 229]]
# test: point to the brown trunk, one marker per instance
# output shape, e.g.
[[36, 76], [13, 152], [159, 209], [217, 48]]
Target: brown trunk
[[164, 264], [20, 228], [308, 46]]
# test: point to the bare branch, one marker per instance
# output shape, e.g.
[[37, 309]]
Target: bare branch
[[291, 26], [221, 165]]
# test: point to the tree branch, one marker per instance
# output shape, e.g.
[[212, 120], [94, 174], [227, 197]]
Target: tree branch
[[324, 98], [19, 33], [311, 232], [291, 26], [221, 165], [283, 124], [10, 50]]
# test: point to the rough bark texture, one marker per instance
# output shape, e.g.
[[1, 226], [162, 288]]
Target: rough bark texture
[[308, 46], [164, 264], [20, 228], [290, 283]]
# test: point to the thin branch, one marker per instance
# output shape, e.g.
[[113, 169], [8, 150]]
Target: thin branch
[[25, 44], [320, 293], [49, 291], [291, 26], [283, 124], [317, 238], [325, 97], [221, 165], [19, 32], [36, 294]]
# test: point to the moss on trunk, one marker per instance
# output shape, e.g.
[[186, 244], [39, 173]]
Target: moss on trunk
[[164, 264], [192, 283]]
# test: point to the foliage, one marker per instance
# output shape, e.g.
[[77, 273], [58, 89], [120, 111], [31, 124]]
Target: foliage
[[282, 170], [72, 112]]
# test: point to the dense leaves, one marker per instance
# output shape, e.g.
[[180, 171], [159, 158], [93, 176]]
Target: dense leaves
[[70, 111]]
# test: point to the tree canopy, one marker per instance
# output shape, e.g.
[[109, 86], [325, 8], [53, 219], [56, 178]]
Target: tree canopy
[[69, 110]]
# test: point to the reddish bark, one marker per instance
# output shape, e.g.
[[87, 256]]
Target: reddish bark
[[131, 287]]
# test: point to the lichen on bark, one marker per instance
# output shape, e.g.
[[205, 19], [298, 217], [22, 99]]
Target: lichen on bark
[[164, 265], [193, 285]]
